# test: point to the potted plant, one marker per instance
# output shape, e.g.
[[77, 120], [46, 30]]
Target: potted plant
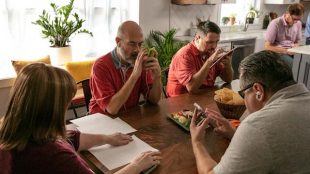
[[166, 46], [251, 15], [232, 19], [225, 20], [59, 28]]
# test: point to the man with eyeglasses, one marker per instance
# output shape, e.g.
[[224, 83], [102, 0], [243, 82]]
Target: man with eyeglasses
[[119, 77], [274, 138], [284, 32], [195, 65]]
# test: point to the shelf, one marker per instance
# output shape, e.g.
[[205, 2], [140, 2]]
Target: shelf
[[195, 2]]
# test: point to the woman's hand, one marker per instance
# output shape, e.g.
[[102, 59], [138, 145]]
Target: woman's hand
[[146, 160], [223, 126], [118, 139]]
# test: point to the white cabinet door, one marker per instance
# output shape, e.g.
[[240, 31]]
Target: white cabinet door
[[281, 1]]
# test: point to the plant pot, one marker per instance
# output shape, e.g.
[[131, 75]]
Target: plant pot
[[232, 20], [250, 20], [60, 55]]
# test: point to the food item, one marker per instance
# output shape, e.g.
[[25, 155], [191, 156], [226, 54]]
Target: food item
[[228, 96], [183, 117], [152, 52]]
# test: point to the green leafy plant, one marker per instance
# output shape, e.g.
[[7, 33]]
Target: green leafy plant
[[59, 28], [166, 46]]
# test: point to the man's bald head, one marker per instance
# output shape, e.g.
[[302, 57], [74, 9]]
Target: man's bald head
[[129, 28]]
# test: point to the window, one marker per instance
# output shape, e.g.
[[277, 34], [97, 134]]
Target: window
[[240, 9], [22, 40]]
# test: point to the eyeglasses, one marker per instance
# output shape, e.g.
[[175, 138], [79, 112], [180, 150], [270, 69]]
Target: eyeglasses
[[241, 92], [295, 18]]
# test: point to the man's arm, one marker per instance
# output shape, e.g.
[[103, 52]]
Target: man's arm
[[196, 81], [155, 92], [271, 47], [204, 161], [119, 98], [228, 72]]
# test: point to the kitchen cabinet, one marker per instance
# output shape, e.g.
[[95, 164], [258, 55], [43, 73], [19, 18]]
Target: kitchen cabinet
[[301, 64], [281, 1], [243, 49], [195, 2]]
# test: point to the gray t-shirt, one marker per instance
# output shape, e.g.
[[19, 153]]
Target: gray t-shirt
[[275, 139]]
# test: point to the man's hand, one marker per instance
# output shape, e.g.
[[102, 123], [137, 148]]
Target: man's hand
[[151, 63], [198, 131], [216, 55], [137, 70], [223, 126]]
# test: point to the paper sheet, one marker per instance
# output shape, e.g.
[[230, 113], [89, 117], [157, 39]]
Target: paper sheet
[[116, 156], [102, 124]]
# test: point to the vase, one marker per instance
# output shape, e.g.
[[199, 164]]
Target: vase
[[60, 55], [232, 20]]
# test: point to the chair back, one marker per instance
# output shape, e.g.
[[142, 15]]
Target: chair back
[[86, 91]]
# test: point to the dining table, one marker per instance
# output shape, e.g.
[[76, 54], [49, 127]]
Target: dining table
[[156, 129]]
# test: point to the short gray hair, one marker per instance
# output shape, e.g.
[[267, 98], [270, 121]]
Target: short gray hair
[[267, 68]]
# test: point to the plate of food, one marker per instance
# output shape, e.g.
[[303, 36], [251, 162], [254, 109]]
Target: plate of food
[[184, 117]]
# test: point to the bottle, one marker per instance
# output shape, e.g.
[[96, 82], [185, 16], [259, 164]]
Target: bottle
[[266, 22]]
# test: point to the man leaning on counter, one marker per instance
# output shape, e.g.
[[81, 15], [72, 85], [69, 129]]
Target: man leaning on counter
[[284, 32]]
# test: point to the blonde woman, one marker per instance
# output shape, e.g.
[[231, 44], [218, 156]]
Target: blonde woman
[[33, 138]]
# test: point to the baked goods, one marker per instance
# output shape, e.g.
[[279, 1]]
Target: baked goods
[[228, 96], [230, 104]]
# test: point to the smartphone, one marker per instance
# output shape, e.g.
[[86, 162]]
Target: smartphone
[[223, 55]]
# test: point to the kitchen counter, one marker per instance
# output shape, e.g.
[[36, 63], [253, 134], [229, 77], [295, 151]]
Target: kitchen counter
[[301, 50], [232, 36]]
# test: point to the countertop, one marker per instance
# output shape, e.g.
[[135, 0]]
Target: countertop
[[301, 50], [232, 36]]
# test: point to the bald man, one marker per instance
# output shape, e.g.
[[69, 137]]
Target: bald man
[[121, 76]]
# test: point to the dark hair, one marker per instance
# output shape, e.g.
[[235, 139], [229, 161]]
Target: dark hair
[[296, 9], [267, 68], [204, 27], [36, 111]]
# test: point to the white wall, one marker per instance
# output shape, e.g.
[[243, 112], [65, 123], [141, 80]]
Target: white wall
[[154, 15]]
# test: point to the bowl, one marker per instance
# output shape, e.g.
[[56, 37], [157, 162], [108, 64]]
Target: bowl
[[230, 111]]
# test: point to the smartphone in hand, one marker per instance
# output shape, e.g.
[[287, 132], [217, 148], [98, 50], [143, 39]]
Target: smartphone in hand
[[222, 55]]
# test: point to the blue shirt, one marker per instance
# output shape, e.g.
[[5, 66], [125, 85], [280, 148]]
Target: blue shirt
[[307, 31]]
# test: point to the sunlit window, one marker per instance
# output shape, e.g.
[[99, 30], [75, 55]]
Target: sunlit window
[[240, 10], [20, 39]]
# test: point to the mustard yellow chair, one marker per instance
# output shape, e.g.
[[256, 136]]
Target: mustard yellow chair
[[80, 70]]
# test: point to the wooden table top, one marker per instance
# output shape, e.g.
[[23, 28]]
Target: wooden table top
[[154, 128]]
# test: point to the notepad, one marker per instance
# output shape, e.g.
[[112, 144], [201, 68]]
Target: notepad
[[102, 124], [117, 156]]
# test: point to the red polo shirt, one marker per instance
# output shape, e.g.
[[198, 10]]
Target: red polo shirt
[[185, 63], [108, 77]]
